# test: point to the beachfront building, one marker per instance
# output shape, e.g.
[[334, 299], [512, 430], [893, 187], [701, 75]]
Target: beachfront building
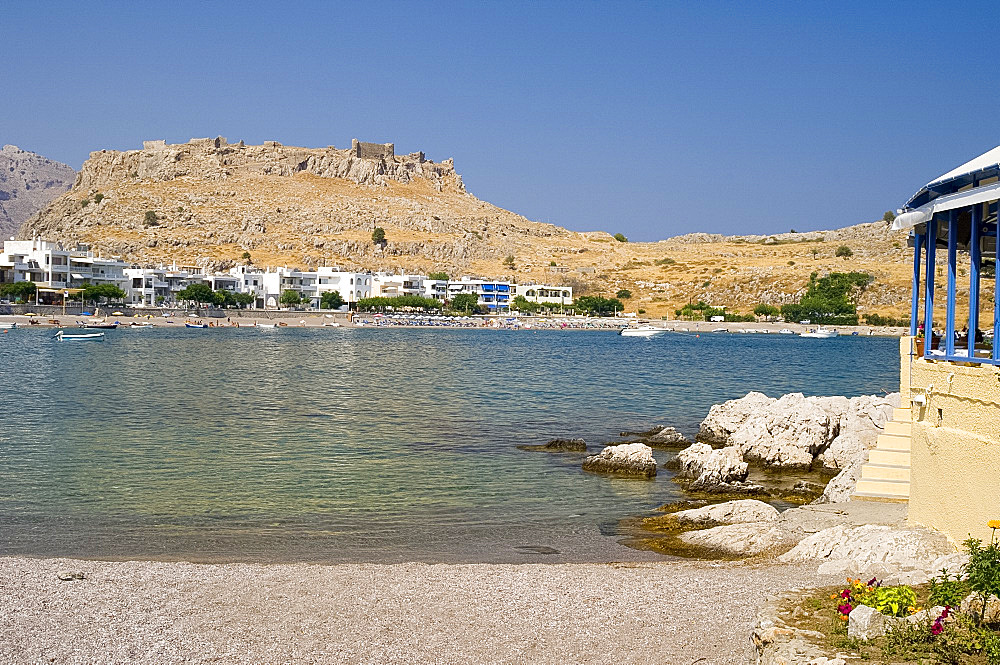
[[950, 434], [546, 294], [51, 267], [276, 282], [352, 286], [495, 295], [435, 288], [385, 285]]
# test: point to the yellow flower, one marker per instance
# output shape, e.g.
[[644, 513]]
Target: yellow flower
[[993, 524]]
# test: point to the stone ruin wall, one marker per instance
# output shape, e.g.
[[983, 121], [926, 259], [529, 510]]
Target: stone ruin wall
[[364, 150]]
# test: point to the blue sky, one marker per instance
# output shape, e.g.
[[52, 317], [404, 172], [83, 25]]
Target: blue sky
[[652, 119]]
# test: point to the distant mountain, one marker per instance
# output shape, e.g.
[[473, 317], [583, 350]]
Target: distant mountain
[[27, 183], [209, 202]]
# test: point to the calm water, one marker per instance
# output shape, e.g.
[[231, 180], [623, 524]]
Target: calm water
[[361, 445]]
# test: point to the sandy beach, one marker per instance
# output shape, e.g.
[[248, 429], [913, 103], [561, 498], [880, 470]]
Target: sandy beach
[[146, 612]]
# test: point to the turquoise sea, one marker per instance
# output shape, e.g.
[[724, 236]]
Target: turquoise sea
[[333, 445]]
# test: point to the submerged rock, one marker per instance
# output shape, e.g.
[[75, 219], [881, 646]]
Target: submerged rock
[[559, 446], [667, 437], [630, 459]]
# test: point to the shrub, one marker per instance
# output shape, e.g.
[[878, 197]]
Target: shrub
[[151, 219], [945, 590], [84, 203], [642, 311], [623, 294], [665, 262], [844, 251], [98, 197], [982, 573], [378, 236], [620, 237], [438, 275]]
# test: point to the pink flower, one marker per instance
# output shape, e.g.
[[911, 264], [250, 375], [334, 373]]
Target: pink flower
[[845, 608]]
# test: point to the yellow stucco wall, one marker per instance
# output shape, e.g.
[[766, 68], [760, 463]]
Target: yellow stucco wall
[[955, 447]]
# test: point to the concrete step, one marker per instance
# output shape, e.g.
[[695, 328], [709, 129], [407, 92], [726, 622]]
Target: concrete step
[[901, 415], [897, 428], [893, 442], [885, 472], [882, 489], [889, 457]]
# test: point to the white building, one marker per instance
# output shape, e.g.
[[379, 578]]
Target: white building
[[50, 266], [546, 294], [352, 286], [435, 288], [385, 285], [495, 295]]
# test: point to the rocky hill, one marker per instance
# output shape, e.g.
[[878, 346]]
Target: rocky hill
[[208, 202], [27, 182]]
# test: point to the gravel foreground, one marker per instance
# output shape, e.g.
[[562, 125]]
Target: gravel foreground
[[148, 612]]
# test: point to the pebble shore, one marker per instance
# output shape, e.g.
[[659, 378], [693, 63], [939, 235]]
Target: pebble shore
[[150, 612]]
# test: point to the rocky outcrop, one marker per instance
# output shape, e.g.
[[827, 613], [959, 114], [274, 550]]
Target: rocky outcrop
[[910, 555], [738, 540], [795, 431], [740, 511], [27, 183], [558, 446], [711, 468], [628, 459]]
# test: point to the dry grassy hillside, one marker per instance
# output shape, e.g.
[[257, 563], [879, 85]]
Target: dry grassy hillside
[[213, 201]]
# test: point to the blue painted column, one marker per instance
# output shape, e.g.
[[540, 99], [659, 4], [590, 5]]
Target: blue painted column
[[949, 325], [929, 285], [976, 258], [918, 243]]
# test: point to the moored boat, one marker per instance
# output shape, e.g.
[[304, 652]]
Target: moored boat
[[640, 331], [819, 333], [8, 326], [63, 337], [188, 324]]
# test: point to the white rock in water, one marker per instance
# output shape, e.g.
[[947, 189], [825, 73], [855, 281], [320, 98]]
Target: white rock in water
[[710, 467], [724, 419], [794, 430], [741, 511], [738, 539], [669, 436], [634, 459]]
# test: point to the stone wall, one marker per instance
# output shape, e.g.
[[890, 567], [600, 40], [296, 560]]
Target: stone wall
[[364, 150]]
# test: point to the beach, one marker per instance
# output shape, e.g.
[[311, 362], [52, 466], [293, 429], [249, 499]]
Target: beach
[[147, 612]]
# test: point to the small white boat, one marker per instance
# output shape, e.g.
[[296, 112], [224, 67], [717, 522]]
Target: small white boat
[[8, 326], [640, 331], [720, 330], [195, 325], [331, 324], [137, 324], [266, 325], [786, 331], [819, 333], [63, 337]]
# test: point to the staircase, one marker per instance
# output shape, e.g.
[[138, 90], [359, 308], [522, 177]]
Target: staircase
[[886, 474]]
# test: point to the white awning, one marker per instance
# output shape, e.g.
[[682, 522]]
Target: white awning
[[984, 161], [964, 199]]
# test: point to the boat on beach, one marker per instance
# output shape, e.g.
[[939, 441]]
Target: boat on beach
[[188, 324], [63, 337], [786, 331], [819, 333], [140, 324], [8, 326], [640, 331]]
